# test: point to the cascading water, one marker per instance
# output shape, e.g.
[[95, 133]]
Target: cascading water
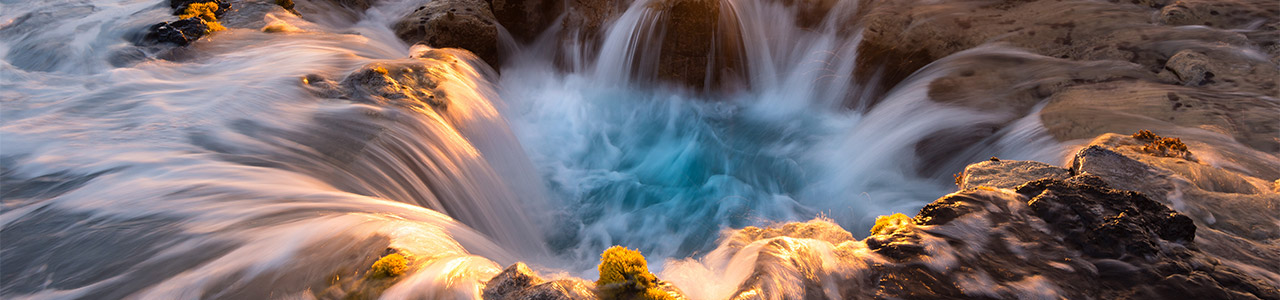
[[214, 173]]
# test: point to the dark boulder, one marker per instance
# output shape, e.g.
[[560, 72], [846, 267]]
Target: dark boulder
[[180, 32], [701, 46], [1104, 222]]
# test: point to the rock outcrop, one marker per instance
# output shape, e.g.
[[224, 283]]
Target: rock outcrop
[[518, 282], [180, 32], [462, 24]]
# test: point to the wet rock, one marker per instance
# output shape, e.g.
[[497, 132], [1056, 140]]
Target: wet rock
[[462, 24], [253, 14], [804, 267], [1103, 222], [1217, 13], [688, 42], [585, 19], [810, 13], [512, 280], [1007, 174], [819, 229], [405, 84], [1090, 110], [563, 289], [526, 19], [180, 32]]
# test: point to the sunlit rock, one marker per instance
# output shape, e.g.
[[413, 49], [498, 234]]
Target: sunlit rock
[[463, 24], [512, 280], [1091, 110], [406, 84]]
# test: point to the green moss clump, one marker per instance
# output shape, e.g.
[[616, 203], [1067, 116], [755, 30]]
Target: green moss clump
[[886, 224], [624, 274], [1145, 136], [389, 266], [206, 11]]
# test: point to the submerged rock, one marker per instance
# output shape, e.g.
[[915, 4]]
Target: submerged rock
[[462, 24]]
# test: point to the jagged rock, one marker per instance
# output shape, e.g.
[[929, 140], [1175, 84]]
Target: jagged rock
[[1103, 222], [563, 289], [525, 19], [1007, 174], [512, 280], [180, 32], [462, 24], [405, 84]]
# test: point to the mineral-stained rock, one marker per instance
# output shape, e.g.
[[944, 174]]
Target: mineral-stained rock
[[180, 32], [463, 24], [1007, 174]]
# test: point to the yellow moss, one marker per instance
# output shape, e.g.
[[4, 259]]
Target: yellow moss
[[389, 266], [381, 70], [206, 11], [885, 224], [624, 272]]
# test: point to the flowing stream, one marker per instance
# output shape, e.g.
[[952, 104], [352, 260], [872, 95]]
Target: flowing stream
[[211, 172]]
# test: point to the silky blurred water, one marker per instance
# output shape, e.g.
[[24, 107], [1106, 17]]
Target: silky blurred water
[[210, 172]]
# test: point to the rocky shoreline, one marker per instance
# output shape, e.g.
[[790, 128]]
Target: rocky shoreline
[[1020, 229]]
